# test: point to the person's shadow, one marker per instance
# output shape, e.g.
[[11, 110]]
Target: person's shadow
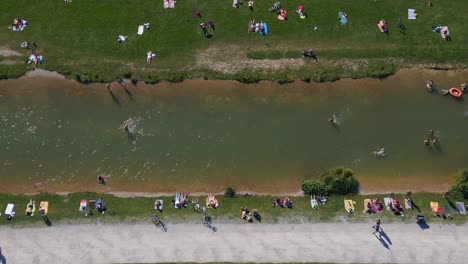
[[382, 241], [114, 98], [47, 220], [2, 257], [414, 205], [385, 236]]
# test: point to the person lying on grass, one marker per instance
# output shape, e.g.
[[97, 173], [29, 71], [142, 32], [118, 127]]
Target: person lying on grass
[[211, 201]]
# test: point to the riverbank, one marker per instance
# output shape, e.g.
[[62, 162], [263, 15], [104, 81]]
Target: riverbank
[[278, 243], [63, 209], [85, 48]]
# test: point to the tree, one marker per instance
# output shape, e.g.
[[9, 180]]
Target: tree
[[460, 186], [311, 187], [340, 181]]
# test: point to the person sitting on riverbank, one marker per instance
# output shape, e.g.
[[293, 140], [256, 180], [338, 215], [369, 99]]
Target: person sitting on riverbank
[[445, 33], [300, 12], [342, 17], [382, 26], [122, 38], [275, 8], [149, 56], [282, 15], [18, 24], [211, 202], [245, 215], [100, 207], [236, 3], [284, 203]]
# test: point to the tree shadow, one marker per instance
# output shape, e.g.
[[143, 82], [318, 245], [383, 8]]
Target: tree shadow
[[379, 237], [385, 236], [47, 220], [2, 257]]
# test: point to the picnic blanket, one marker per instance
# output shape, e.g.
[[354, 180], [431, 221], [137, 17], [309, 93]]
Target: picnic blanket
[[9, 209], [169, 3], [349, 205], [434, 207], [83, 204], [408, 204], [44, 205], [387, 202], [460, 208], [446, 209], [412, 14], [141, 29]]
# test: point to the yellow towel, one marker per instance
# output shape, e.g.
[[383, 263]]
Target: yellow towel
[[434, 206], [349, 204], [45, 206]]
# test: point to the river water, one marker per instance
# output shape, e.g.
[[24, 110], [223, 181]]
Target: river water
[[57, 135]]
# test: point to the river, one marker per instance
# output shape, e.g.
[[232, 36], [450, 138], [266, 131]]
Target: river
[[57, 135]]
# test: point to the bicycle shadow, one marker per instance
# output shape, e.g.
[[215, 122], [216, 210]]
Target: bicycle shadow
[[382, 241], [47, 220], [385, 236]]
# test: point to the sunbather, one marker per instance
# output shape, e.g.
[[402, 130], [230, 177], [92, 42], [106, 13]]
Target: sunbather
[[211, 201], [282, 15], [121, 38], [245, 214], [382, 26], [29, 207], [100, 206]]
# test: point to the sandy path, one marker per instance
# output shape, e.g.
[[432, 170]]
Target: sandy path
[[340, 242]]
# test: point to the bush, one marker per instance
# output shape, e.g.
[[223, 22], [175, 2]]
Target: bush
[[229, 192], [340, 181], [311, 187], [460, 186]]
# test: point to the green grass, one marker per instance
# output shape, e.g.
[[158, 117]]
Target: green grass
[[64, 210], [81, 43]]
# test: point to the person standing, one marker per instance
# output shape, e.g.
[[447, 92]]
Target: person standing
[[376, 227]]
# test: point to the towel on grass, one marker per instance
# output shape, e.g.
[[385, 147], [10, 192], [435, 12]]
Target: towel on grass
[[9, 209], [408, 204], [460, 208], [434, 207], [349, 206], [141, 29], [313, 203], [387, 202], [169, 3], [411, 14], [44, 205], [83, 204]]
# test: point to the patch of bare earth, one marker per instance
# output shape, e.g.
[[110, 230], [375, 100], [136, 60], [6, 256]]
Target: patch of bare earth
[[7, 52], [231, 59]]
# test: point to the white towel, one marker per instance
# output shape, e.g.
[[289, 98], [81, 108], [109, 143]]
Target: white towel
[[9, 209], [141, 28], [411, 14]]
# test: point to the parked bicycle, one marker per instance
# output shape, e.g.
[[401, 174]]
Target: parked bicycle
[[158, 223], [207, 222], [197, 207]]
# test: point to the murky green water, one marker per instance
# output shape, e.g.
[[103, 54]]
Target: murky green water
[[201, 136]]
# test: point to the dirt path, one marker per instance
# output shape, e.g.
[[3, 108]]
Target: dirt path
[[339, 242]]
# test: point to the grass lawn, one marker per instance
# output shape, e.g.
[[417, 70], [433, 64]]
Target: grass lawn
[[64, 210], [79, 39]]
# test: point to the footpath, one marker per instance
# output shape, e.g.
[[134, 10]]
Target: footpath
[[320, 242]]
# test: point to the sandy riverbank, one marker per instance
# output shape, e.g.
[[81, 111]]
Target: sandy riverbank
[[337, 242]]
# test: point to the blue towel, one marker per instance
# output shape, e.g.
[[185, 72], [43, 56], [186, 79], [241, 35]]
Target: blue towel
[[264, 30]]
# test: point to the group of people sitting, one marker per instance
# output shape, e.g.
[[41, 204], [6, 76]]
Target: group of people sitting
[[248, 215], [284, 203], [238, 3], [444, 32], [373, 206], [395, 206], [256, 27], [34, 59], [180, 201], [18, 24]]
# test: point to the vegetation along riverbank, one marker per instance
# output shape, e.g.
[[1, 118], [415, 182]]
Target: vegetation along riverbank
[[82, 43]]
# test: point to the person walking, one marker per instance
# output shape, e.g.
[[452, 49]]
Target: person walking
[[376, 227]]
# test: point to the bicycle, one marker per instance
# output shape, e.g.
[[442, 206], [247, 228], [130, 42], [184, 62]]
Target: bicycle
[[197, 207], [158, 223], [207, 222]]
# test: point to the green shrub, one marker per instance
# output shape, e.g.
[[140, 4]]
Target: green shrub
[[460, 186], [311, 187], [340, 181], [229, 192]]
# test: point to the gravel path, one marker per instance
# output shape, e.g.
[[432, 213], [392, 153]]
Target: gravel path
[[322, 242]]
